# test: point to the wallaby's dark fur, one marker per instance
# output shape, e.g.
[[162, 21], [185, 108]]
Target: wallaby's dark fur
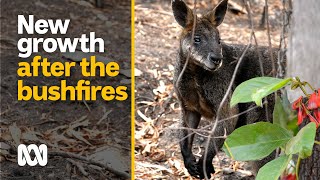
[[206, 79]]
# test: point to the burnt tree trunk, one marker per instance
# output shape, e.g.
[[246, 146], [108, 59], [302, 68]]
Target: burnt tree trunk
[[304, 62]]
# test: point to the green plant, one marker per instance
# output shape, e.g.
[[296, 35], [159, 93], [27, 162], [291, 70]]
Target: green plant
[[256, 141]]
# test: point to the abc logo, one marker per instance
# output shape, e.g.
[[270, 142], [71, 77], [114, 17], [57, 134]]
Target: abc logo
[[41, 155]]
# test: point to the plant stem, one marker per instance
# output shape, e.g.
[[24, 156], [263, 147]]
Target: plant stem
[[310, 86], [317, 142], [301, 85], [297, 168], [303, 90]]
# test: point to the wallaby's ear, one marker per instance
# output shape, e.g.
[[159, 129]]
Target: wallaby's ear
[[216, 16], [182, 13]]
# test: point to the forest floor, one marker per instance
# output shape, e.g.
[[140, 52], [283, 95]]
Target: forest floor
[[157, 152]]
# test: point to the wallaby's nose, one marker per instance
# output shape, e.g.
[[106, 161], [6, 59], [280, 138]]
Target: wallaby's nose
[[216, 59]]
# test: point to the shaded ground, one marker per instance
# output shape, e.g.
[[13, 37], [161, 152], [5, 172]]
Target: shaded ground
[[157, 153], [99, 129]]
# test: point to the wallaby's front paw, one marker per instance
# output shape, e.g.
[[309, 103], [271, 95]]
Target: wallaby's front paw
[[192, 167], [209, 169]]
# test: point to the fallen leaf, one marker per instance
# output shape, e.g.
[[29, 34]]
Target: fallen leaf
[[4, 146], [15, 133], [77, 135]]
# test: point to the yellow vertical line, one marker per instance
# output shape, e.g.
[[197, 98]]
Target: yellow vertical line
[[132, 91]]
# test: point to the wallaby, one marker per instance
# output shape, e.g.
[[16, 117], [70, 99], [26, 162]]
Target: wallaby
[[206, 79]]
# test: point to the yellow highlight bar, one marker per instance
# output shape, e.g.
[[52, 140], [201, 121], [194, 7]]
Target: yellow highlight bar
[[132, 91]]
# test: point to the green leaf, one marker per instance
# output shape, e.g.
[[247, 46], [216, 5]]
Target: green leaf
[[273, 169], [292, 125], [256, 89], [255, 141], [303, 142], [284, 115], [287, 105], [280, 115]]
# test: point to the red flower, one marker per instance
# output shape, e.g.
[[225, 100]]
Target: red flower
[[317, 114], [299, 106], [314, 101], [301, 113], [312, 110], [297, 103], [289, 177]]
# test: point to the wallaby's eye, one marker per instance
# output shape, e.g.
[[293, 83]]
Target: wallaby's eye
[[197, 40]]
